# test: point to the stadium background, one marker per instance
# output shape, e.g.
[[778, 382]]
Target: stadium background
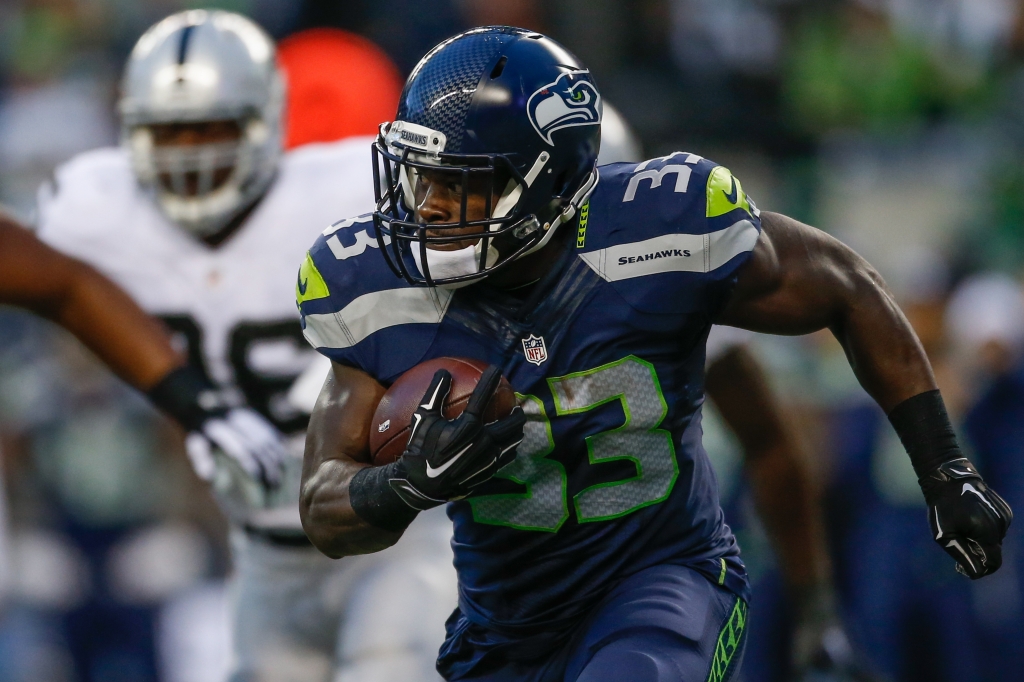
[[895, 125]]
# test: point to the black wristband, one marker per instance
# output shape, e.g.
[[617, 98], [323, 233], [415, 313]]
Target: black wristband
[[925, 431], [181, 395], [374, 501]]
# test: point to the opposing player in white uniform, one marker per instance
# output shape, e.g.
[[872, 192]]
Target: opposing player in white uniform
[[202, 219]]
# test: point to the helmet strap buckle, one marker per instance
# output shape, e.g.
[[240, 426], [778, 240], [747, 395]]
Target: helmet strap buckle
[[528, 227]]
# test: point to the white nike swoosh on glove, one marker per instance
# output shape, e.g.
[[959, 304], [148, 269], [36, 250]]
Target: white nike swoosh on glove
[[430, 405], [968, 488], [416, 425], [954, 543], [434, 473], [514, 445]]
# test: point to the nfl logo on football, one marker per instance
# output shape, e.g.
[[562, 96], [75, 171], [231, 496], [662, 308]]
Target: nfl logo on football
[[535, 350]]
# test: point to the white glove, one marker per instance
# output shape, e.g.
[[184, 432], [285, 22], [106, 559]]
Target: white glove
[[246, 437]]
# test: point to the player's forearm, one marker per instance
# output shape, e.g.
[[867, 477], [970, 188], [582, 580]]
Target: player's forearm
[[883, 350], [133, 344], [328, 518], [78, 298], [337, 448]]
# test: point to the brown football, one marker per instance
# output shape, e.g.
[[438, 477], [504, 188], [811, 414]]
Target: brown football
[[389, 430]]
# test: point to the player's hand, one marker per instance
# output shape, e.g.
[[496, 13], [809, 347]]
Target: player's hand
[[968, 518], [446, 458], [243, 435]]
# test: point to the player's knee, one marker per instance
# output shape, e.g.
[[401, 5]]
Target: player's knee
[[615, 664], [643, 659]]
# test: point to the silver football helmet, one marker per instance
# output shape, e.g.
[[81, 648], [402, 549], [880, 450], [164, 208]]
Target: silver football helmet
[[204, 66]]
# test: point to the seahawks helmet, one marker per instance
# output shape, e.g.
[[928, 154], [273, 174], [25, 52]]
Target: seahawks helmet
[[202, 66], [495, 106]]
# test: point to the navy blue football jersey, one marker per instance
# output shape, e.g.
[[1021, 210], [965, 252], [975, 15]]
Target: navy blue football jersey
[[607, 356]]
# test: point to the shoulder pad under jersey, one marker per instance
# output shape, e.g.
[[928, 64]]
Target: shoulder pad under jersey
[[89, 204], [97, 179], [346, 292], [667, 232]]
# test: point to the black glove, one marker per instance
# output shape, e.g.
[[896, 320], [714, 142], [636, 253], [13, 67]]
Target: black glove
[[968, 518], [445, 459]]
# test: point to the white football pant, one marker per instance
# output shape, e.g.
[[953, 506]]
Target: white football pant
[[301, 617]]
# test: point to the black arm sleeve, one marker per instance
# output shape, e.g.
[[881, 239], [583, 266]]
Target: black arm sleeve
[[925, 431], [375, 501], [183, 394]]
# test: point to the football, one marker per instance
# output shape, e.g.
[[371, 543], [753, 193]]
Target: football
[[389, 430]]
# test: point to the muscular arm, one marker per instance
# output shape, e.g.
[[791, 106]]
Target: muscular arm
[[783, 488], [69, 292], [800, 280], [337, 446]]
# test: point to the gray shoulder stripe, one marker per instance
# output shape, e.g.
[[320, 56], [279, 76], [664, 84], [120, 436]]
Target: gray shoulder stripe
[[673, 253], [375, 311], [732, 241]]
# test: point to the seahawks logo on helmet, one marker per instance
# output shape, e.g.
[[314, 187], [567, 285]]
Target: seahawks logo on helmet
[[569, 101]]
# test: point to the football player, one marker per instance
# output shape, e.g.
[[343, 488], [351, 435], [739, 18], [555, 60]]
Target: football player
[[134, 345], [200, 217], [588, 537]]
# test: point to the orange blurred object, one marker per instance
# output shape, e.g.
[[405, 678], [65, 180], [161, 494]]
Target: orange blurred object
[[339, 85]]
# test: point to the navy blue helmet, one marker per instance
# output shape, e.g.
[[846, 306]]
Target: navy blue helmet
[[496, 107]]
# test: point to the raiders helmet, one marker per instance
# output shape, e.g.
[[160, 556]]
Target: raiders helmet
[[202, 66]]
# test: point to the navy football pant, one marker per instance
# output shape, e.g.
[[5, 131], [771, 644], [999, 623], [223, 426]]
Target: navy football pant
[[664, 624]]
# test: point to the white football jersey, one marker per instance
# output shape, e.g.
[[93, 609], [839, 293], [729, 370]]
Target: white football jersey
[[234, 304]]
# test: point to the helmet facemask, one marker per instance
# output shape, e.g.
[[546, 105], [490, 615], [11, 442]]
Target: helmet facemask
[[508, 229], [203, 186]]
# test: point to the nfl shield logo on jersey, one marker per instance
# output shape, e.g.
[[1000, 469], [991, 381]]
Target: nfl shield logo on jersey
[[535, 350]]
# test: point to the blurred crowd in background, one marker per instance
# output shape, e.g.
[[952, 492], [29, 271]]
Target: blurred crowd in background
[[895, 125]]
